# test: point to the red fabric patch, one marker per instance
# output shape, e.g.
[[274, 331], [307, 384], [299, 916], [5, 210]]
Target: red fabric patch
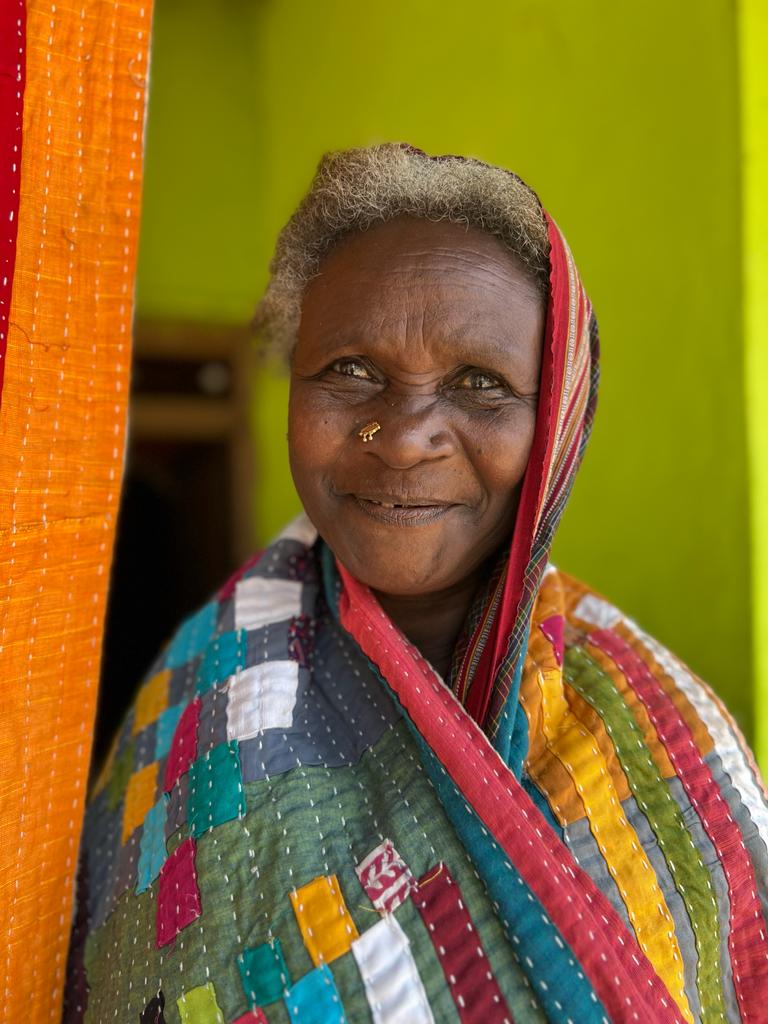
[[553, 629], [12, 80], [475, 991], [183, 745], [254, 1016], [178, 899]]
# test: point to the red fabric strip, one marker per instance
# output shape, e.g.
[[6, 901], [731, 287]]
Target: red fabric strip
[[621, 975], [475, 991], [747, 939], [183, 746], [13, 26]]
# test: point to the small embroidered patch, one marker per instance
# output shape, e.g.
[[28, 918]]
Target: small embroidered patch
[[224, 655], [166, 727], [326, 925], [314, 999], [199, 1006], [139, 797], [192, 636], [178, 801], [264, 973], [553, 630], [262, 697], [216, 790], [385, 877], [184, 746], [153, 853], [153, 1011], [118, 780], [151, 701], [178, 898]]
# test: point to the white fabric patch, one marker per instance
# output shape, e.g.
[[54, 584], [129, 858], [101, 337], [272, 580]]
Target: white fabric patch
[[262, 600], [300, 529], [262, 697], [393, 988], [597, 612]]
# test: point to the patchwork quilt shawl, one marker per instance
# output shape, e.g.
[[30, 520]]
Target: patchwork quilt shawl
[[300, 821]]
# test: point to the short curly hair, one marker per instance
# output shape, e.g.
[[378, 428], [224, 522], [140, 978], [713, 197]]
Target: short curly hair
[[355, 188]]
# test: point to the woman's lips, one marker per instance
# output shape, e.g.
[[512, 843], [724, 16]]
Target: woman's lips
[[397, 514]]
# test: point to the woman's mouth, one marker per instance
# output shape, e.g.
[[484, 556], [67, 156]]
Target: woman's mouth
[[413, 512]]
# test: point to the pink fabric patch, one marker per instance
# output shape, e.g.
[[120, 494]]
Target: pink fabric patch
[[385, 877], [229, 587], [552, 628], [178, 899], [254, 1016], [183, 746]]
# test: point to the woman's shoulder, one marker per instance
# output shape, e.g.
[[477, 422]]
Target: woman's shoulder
[[603, 649]]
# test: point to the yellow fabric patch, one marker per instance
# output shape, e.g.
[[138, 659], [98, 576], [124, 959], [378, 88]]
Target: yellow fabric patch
[[151, 701], [139, 798], [199, 1006], [326, 925]]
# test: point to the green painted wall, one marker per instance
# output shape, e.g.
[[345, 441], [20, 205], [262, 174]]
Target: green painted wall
[[625, 122], [753, 45]]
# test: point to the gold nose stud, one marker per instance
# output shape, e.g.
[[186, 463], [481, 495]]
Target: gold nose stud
[[369, 430]]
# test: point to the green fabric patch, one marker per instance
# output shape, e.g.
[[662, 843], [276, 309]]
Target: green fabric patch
[[264, 973], [121, 773], [199, 1006], [216, 790]]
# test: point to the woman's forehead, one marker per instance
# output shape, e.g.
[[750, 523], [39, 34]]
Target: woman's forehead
[[415, 281]]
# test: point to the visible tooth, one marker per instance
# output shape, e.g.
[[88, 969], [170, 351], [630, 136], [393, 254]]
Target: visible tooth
[[386, 504]]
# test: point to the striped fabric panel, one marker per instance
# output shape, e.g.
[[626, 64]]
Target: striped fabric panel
[[624, 856], [622, 978], [748, 940], [688, 872], [730, 745]]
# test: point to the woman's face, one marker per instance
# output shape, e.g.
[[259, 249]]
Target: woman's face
[[434, 331]]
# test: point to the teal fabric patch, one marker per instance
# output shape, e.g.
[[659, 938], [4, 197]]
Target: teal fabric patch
[[152, 852], [216, 790], [223, 657], [315, 999], [264, 974], [118, 780], [193, 636], [166, 727]]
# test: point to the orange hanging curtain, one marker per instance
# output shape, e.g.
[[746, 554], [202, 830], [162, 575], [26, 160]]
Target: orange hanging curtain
[[73, 83]]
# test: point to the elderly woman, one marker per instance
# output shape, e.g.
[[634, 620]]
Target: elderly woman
[[401, 768]]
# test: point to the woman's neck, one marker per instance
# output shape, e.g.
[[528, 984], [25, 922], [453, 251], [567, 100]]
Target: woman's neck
[[433, 622]]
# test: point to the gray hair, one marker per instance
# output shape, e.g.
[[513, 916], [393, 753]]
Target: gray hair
[[355, 188]]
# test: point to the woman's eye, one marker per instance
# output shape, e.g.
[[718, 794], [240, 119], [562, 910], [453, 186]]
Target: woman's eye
[[476, 380], [352, 368]]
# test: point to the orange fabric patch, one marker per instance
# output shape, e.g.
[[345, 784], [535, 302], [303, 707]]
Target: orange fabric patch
[[151, 701], [326, 925], [139, 798]]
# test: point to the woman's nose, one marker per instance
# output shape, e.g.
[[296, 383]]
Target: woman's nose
[[411, 431]]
